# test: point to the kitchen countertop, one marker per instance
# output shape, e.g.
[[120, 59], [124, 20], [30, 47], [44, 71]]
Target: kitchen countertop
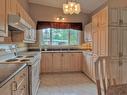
[[29, 53], [64, 51], [8, 71]]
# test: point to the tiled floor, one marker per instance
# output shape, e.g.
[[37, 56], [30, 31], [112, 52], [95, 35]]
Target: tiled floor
[[66, 84]]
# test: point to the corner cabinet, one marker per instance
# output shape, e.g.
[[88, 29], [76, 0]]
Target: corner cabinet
[[3, 19]]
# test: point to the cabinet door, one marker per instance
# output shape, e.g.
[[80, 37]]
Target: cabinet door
[[94, 58], [7, 88], [47, 65], [33, 35], [124, 41], [66, 62], [114, 41], [103, 41], [114, 16], [3, 18], [84, 66], [76, 59], [103, 17], [95, 43], [123, 16], [57, 62], [95, 34], [88, 32]]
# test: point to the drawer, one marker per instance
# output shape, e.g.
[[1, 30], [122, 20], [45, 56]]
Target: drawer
[[22, 75], [21, 90]]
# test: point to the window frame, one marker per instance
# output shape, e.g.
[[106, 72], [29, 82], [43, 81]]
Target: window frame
[[69, 36]]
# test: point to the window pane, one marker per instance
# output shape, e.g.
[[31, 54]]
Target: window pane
[[60, 36], [74, 37], [45, 39]]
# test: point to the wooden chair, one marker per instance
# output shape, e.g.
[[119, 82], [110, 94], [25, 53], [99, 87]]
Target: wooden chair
[[110, 76]]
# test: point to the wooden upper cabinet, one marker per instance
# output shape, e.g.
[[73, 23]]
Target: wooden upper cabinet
[[3, 18], [123, 16], [114, 16], [88, 32], [103, 17], [100, 32], [118, 17]]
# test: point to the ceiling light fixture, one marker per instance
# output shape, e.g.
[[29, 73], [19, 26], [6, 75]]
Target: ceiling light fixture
[[71, 7], [60, 18]]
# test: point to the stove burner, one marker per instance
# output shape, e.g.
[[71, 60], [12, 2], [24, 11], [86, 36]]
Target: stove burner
[[29, 56], [24, 60], [11, 60], [19, 56]]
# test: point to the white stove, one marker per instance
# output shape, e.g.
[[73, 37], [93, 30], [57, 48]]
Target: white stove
[[33, 62]]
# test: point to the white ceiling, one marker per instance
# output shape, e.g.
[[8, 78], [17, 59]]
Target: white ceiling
[[87, 6]]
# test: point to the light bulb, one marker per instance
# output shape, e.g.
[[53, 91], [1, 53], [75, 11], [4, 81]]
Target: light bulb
[[57, 18], [63, 18]]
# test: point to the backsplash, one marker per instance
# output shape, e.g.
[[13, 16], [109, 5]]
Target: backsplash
[[21, 47]]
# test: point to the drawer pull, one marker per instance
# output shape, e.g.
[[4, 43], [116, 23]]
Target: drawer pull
[[14, 86]]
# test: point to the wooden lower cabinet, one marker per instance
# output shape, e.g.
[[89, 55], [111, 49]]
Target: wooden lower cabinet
[[89, 65], [61, 62], [76, 61], [17, 85], [57, 62], [66, 62], [47, 64]]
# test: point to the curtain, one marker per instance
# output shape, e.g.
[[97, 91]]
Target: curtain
[[58, 25]]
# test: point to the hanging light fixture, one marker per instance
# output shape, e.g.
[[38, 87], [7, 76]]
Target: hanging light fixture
[[59, 16], [71, 7]]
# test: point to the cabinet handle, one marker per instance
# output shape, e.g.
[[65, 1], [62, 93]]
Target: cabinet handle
[[62, 54], [120, 22], [14, 86], [120, 54]]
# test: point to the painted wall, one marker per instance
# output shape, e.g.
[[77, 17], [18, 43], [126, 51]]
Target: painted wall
[[45, 13], [117, 3]]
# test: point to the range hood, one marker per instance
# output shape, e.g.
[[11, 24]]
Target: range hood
[[16, 23]]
